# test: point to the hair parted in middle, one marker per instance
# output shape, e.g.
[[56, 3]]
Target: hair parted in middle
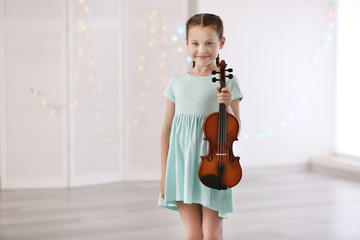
[[204, 20]]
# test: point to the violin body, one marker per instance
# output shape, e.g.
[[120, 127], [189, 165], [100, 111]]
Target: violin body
[[220, 169], [208, 165]]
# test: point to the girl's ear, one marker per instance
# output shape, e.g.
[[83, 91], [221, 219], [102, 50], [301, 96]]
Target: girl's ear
[[187, 42], [222, 42]]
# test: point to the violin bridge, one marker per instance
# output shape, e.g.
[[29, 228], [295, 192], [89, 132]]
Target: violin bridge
[[221, 154]]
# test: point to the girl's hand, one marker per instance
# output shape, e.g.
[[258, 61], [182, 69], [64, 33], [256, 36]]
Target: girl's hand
[[162, 187], [225, 96]]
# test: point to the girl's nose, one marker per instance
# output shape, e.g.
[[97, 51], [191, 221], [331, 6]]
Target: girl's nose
[[202, 49]]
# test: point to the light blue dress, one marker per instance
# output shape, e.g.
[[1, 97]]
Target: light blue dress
[[194, 98]]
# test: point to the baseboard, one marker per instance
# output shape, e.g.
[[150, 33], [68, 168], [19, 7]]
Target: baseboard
[[337, 166]]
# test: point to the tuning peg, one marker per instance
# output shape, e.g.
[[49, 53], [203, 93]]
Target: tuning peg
[[214, 72], [214, 79], [229, 70], [230, 76]]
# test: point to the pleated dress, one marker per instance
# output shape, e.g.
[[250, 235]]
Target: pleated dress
[[195, 98]]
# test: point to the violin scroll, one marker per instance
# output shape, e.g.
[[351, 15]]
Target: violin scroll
[[221, 72]]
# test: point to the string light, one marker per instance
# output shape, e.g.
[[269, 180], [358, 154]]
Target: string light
[[180, 30], [80, 52], [46, 103], [81, 27], [270, 132], [155, 30], [88, 74]]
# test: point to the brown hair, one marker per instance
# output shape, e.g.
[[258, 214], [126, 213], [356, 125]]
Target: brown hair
[[204, 20]]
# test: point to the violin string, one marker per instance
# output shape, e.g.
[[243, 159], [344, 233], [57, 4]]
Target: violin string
[[222, 137], [223, 140], [219, 134], [224, 132]]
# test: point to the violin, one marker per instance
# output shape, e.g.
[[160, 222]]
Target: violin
[[220, 169]]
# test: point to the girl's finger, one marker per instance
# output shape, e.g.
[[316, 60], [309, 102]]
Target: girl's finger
[[225, 89], [225, 95]]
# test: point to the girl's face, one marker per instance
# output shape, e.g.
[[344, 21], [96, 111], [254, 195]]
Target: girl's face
[[204, 44]]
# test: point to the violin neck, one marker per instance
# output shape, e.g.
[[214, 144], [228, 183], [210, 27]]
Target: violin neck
[[222, 120]]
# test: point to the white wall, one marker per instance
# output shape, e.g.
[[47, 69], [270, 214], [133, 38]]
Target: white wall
[[34, 138], [271, 45], [95, 92], [60, 105], [151, 46], [348, 76]]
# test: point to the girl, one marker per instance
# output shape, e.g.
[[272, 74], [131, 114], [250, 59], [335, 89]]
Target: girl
[[191, 97]]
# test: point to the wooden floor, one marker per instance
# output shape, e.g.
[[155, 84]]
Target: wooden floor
[[281, 204]]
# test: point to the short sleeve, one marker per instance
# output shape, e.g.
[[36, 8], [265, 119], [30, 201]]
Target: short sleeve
[[169, 90], [233, 85]]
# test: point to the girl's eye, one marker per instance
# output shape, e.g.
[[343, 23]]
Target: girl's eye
[[195, 44], [209, 43]]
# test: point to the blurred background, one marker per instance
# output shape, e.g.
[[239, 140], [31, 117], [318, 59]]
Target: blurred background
[[81, 85]]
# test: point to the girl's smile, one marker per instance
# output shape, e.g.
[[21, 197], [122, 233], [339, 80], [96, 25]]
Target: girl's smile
[[203, 57]]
